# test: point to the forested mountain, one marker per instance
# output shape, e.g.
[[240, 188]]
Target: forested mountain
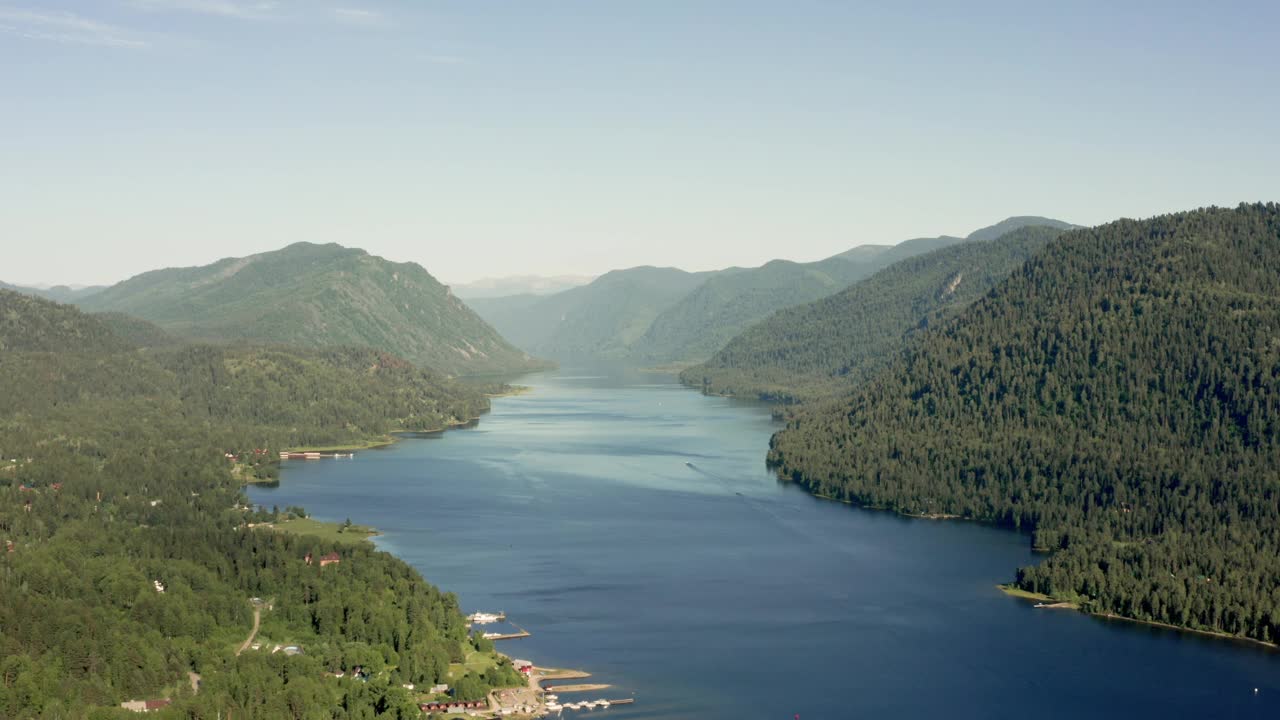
[[58, 293], [114, 478], [729, 303], [600, 319], [819, 348], [660, 315], [723, 305], [1119, 396], [318, 296]]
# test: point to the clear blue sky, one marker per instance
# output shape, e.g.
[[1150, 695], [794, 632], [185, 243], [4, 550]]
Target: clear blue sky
[[485, 138]]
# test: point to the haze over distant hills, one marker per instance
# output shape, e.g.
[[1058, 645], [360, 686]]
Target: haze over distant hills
[[518, 285], [819, 348], [654, 315], [318, 295], [57, 293], [601, 319]]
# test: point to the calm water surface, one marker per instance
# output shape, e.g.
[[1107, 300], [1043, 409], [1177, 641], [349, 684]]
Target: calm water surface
[[631, 526]]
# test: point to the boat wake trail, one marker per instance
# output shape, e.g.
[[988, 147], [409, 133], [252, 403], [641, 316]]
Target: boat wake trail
[[766, 508]]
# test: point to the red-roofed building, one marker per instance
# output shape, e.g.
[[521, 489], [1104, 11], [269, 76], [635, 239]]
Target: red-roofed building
[[331, 559], [453, 706]]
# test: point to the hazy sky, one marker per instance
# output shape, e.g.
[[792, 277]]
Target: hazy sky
[[484, 138]]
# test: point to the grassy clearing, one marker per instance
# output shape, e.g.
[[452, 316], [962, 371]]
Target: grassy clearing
[[1018, 592], [349, 447], [332, 531], [476, 662]]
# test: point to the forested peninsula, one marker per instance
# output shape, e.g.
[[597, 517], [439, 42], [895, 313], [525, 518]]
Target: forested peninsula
[[130, 571], [1118, 396]]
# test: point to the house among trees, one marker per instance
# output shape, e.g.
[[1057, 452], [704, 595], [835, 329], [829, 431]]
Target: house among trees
[[145, 706], [330, 559]]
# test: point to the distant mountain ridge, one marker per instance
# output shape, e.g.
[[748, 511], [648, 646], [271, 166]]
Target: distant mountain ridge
[[311, 295], [57, 293], [600, 319], [518, 285], [728, 303], [631, 315], [821, 347]]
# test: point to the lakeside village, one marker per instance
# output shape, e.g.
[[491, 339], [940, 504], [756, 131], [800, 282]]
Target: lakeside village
[[535, 699]]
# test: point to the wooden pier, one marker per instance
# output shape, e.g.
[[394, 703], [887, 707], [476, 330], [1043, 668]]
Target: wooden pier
[[586, 687], [548, 674], [509, 636]]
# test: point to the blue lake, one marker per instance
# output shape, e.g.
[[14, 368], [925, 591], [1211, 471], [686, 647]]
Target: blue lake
[[632, 527]]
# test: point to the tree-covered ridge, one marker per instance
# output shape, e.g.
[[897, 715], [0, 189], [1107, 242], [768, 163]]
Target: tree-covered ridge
[[28, 323], [818, 348], [57, 293], [1119, 396], [309, 295], [659, 315], [727, 304], [723, 305], [600, 319], [114, 475]]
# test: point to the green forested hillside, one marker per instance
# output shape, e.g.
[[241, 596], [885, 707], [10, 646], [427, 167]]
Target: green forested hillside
[[113, 477], [318, 296], [660, 315], [1119, 396], [723, 305], [727, 304], [600, 319], [819, 348]]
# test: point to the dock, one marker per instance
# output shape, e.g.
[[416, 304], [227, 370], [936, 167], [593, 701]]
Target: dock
[[586, 687], [547, 674], [509, 636], [284, 455]]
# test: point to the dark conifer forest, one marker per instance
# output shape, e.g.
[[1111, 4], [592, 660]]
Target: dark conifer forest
[[812, 350], [1118, 397], [115, 477]]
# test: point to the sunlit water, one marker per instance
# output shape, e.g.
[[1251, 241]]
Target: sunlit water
[[632, 527]]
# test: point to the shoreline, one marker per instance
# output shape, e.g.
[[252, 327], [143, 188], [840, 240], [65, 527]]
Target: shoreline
[[367, 534], [1051, 602], [515, 390], [388, 440]]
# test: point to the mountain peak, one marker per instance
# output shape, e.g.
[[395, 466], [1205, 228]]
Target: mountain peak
[[318, 295]]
